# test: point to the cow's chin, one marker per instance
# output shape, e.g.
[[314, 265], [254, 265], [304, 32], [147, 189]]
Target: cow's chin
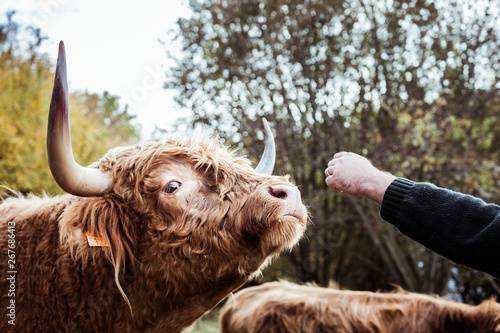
[[287, 231]]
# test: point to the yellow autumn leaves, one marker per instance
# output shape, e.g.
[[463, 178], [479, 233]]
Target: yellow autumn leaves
[[97, 123]]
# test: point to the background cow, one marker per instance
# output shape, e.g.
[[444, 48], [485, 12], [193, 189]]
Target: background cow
[[285, 307], [150, 237]]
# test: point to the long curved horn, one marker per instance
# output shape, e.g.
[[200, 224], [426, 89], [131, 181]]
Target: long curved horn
[[71, 177], [266, 164]]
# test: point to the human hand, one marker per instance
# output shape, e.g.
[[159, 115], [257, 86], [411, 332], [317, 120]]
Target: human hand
[[355, 175]]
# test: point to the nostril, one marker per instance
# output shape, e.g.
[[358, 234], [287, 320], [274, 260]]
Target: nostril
[[278, 192]]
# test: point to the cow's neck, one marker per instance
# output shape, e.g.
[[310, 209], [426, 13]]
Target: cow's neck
[[177, 311]]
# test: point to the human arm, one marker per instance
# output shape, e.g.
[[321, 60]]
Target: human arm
[[460, 227]]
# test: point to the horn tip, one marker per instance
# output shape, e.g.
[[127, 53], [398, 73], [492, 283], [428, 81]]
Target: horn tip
[[62, 52], [61, 48], [267, 128]]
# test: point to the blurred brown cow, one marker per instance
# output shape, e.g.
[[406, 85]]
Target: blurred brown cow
[[280, 307]]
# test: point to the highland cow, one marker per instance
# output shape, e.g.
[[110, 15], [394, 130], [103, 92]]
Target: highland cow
[[148, 239], [283, 307]]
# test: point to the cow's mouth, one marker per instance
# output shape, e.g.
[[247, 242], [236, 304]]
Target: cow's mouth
[[296, 221], [294, 217], [294, 213]]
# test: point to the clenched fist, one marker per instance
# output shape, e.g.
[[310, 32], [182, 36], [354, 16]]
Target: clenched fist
[[355, 175]]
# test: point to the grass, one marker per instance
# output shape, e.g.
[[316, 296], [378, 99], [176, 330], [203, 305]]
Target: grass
[[208, 324]]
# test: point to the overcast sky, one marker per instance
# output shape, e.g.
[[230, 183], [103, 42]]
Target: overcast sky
[[111, 45]]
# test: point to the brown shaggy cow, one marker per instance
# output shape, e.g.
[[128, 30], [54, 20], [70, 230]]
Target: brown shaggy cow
[[151, 237], [283, 307]]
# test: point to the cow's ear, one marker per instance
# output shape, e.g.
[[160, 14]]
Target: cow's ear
[[108, 224], [101, 222]]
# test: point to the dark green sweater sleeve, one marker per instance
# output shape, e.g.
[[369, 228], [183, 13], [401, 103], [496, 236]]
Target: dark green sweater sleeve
[[460, 227]]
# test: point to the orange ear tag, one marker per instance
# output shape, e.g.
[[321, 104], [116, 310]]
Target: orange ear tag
[[96, 240]]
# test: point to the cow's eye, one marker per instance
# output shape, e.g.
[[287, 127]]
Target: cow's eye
[[172, 187]]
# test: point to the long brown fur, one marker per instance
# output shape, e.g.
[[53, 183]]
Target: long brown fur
[[283, 307], [169, 260]]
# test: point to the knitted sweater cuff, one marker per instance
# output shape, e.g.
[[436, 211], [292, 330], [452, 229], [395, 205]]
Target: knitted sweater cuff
[[393, 198]]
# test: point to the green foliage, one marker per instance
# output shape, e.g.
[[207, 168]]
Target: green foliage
[[411, 84], [26, 79]]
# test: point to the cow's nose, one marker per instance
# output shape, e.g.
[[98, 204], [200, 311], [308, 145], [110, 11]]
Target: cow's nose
[[285, 192], [292, 203]]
